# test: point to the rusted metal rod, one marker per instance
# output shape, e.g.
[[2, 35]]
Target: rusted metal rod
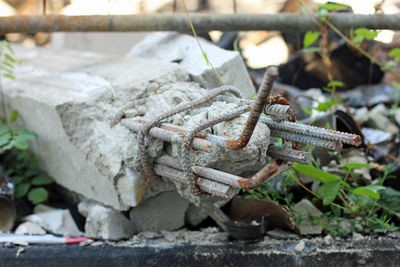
[[266, 85], [201, 22], [288, 154], [307, 130], [235, 181], [213, 143], [294, 137], [170, 136], [205, 185]]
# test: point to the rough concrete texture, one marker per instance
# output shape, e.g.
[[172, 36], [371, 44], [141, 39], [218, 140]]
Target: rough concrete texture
[[183, 49], [305, 208], [69, 98], [165, 211], [104, 223]]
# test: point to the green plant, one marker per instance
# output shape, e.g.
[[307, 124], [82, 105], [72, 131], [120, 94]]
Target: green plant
[[30, 181], [19, 162], [352, 199]]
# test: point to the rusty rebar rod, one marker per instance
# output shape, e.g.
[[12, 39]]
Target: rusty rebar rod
[[205, 185], [171, 136], [269, 171], [180, 108], [312, 131], [266, 85], [288, 154], [294, 137], [201, 22]]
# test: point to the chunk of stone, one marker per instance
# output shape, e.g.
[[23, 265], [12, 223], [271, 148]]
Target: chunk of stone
[[361, 115], [165, 211], [397, 116], [278, 233], [29, 228], [195, 215], [55, 221], [304, 208], [181, 48], [356, 156], [69, 99], [300, 246], [357, 237], [104, 223], [378, 117]]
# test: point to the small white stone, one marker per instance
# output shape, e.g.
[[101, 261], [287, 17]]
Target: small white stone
[[300, 246], [357, 236], [328, 239], [29, 228]]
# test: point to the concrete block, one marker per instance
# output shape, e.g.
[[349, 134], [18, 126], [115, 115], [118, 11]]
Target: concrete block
[[104, 223], [165, 211], [68, 99], [183, 49], [304, 208]]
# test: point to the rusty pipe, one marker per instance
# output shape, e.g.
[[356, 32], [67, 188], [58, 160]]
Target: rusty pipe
[[287, 22]]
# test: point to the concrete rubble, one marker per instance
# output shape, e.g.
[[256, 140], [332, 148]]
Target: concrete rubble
[[104, 223], [55, 221], [69, 99], [183, 49], [305, 208]]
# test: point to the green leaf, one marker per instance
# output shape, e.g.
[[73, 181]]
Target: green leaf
[[9, 57], [13, 115], [310, 38], [395, 52], [311, 50], [329, 192], [332, 84], [318, 175], [9, 76], [351, 166], [357, 39], [390, 65], [5, 138], [334, 7], [38, 195], [367, 34], [10, 48], [8, 64], [324, 106], [20, 143], [30, 173], [18, 179], [367, 191], [390, 198], [42, 180], [307, 111], [27, 135], [4, 128], [21, 190]]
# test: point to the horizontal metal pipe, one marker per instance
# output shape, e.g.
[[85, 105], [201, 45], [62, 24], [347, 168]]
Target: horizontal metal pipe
[[170, 136], [307, 130], [201, 22], [294, 137], [205, 185]]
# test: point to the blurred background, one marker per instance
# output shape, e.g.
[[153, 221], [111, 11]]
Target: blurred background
[[259, 49]]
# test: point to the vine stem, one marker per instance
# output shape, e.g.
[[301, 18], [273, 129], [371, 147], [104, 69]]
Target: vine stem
[[314, 194], [198, 42]]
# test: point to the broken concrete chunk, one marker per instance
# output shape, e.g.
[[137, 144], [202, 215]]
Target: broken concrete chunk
[[278, 233], [165, 211], [194, 215], [104, 223], [55, 221], [70, 108], [304, 208], [173, 47], [356, 156], [361, 115], [378, 117], [30, 228]]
